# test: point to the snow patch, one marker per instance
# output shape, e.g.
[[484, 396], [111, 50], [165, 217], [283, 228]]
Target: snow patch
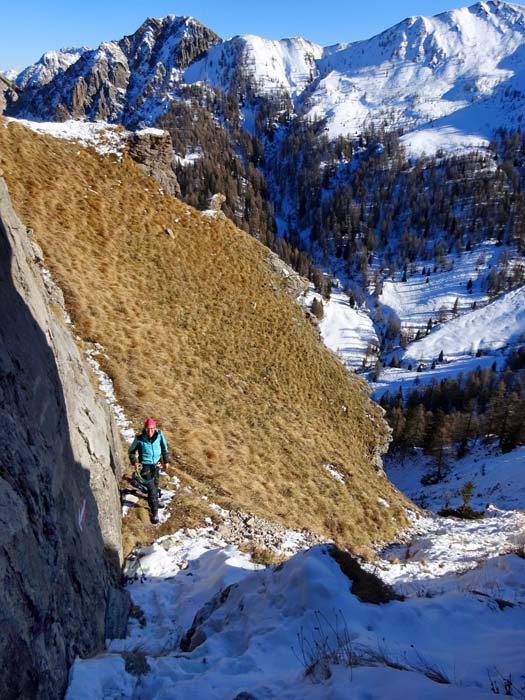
[[107, 388], [103, 137], [334, 472]]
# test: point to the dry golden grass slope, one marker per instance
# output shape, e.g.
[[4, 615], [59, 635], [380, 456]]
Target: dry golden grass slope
[[201, 335]]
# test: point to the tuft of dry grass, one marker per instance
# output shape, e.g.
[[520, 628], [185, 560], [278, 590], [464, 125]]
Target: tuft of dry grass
[[250, 400], [262, 555]]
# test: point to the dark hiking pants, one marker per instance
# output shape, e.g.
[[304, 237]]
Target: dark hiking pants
[[150, 474]]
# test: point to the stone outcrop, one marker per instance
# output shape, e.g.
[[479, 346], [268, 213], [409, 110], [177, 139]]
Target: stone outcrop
[[60, 460], [8, 94], [216, 201], [152, 149], [294, 284]]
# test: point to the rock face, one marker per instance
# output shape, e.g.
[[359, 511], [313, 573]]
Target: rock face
[[294, 284], [60, 541], [122, 81], [8, 94], [48, 67], [152, 149]]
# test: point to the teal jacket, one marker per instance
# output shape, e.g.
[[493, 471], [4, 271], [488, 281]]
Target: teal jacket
[[149, 450]]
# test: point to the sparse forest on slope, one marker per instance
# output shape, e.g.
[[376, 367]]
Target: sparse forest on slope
[[216, 155], [362, 197], [199, 332], [455, 410]]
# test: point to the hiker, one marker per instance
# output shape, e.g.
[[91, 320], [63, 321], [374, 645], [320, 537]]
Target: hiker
[[150, 446]]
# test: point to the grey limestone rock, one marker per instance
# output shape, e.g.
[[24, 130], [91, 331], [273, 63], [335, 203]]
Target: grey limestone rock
[[295, 285], [60, 460], [152, 149], [8, 93]]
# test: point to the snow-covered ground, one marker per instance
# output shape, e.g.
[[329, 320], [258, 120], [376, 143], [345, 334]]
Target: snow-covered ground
[[460, 627], [469, 338], [497, 478], [416, 301], [105, 138], [495, 326], [347, 331]]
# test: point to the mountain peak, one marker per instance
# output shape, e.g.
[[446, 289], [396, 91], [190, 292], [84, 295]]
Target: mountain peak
[[48, 66]]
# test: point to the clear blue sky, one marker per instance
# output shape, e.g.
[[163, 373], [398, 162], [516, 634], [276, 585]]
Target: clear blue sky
[[28, 28]]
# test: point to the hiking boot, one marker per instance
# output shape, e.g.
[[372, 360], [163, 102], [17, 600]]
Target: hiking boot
[[154, 518]]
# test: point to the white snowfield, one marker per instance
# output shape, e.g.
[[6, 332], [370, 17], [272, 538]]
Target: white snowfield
[[497, 478], [497, 325], [347, 331], [488, 330], [416, 301], [287, 64], [259, 636]]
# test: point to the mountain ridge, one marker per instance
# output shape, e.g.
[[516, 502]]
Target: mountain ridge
[[454, 69]]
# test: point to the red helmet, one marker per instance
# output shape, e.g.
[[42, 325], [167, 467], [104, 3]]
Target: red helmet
[[150, 423]]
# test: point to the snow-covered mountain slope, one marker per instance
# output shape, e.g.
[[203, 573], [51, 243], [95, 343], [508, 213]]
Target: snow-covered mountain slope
[[48, 67], [267, 66], [448, 81], [469, 328], [458, 74], [347, 331], [497, 478], [469, 341], [476, 335], [423, 297], [490, 328]]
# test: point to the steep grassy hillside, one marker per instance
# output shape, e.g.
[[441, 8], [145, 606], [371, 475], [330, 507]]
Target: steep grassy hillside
[[201, 334]]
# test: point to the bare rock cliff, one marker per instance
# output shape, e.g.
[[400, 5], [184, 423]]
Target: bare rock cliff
[[8, 93], [60, 459], [152, 150]]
